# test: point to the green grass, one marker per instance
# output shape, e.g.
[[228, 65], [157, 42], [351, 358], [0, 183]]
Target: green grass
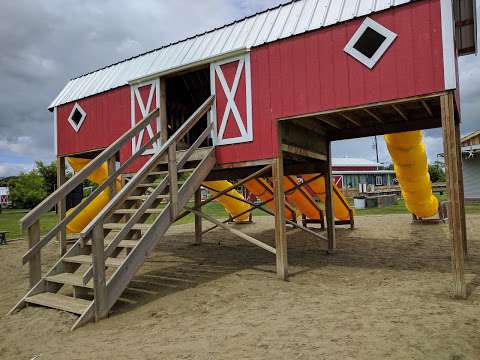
[[10, 221], [9, 218], [400, 208]]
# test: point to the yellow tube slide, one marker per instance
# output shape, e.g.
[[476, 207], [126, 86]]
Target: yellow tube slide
[[340, 203], [91, 210], [233, 207], [411, 167]]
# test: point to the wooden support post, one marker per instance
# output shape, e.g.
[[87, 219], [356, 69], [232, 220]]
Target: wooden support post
[[111, 169], [453, 173], [172, 173], [61, 206], [163, 111], [98, 267], [198, 218], [461, 192], [280, 229], [35, 264], [329, 201]]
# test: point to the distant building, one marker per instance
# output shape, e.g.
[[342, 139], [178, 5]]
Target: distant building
[[350, 172], [4, 197], [471, 165]]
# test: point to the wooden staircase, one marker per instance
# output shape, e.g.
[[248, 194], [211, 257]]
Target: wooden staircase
[[90, 277]]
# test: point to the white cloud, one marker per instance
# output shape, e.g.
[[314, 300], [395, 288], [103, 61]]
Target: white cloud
[[13, 169]]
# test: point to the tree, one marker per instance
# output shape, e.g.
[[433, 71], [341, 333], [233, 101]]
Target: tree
[[49, 175], [437, 172], [28, 190]]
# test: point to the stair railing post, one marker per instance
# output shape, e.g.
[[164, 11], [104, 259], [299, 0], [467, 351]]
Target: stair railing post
[[111, 170], [98, 265], [172, 173], [35, 263]]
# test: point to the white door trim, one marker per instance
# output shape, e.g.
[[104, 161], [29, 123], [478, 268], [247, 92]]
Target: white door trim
[[145, 109], [246, 133]]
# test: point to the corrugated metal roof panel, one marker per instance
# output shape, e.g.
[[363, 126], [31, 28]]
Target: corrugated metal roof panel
[[270, 25]]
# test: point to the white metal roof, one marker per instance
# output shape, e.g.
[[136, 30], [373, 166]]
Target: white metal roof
[[277, 23], [296, 17], [353, 162]]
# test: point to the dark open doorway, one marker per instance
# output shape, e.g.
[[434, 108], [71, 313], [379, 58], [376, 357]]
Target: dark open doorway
[[185, 93]]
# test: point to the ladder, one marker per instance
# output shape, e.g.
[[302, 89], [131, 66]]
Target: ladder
[[91, 276]]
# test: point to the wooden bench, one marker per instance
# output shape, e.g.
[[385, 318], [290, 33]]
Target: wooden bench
[[3, 237]]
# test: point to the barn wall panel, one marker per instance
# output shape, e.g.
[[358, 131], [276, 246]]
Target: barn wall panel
[[311, 72], [108, 117]]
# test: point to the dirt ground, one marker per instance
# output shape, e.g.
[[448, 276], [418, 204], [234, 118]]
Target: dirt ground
[[385, 294]]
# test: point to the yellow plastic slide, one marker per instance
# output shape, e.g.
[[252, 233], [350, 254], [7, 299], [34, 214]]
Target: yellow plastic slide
[[258, 188], [91, 210], [232, 206], [411, 167], [297, 197], [340, 203]]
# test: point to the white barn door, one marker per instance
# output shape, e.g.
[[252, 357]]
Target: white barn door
[[145, 98], [232, 112]]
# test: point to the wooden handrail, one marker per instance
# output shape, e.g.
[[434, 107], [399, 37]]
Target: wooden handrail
[[89, 229], [80, 177], [182, 131], [49, 236]]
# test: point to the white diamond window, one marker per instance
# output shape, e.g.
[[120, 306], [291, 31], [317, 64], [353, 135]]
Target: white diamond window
[[370, 42], [77, 117]]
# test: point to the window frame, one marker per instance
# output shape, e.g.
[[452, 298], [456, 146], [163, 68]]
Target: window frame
[[74, 125], [389, 35]]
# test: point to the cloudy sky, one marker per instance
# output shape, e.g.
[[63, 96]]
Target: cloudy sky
[[46, 42]]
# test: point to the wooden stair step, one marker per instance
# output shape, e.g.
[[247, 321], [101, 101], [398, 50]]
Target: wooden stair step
[[127, 244], [181, 171], [145, 197], [87, 259], [133, 211], [69, 279], [119, 226], [60, 302]]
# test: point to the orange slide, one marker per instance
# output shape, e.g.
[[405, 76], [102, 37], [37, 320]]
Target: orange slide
[[341, 209]]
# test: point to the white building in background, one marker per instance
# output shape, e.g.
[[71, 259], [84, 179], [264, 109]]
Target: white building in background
[[471, 165], [349, 173], [4, 197]]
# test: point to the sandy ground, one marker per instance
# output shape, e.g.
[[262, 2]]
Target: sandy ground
[[384, 295]]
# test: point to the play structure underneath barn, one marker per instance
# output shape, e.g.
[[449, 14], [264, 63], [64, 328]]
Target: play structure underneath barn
[[254, 103]]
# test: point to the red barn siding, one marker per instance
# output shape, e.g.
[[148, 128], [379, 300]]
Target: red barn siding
[[108, 117], [311, 73], [299, 75]]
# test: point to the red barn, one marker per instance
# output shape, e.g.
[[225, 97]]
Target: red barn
[[263, 96]]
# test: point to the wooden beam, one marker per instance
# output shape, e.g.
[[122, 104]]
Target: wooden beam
[[461, 192], [98, 265], [329, 122], [163, 110], [111, 170], [427, 108], [280, 229], [400, 112], [376, 117], [173, 178], [234, 231], [292, 149], [61, 206], [329, 202], [453, 173], [35, 263], [198, 218], [350, 119], [369, 106]]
